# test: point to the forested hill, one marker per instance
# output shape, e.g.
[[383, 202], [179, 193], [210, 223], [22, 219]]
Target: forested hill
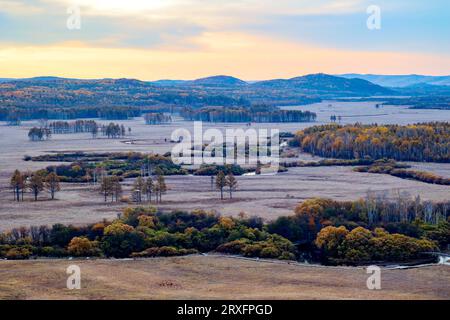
[[324, 84], [50, 92]]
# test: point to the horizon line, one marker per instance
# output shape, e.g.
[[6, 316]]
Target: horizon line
[[224, 75]]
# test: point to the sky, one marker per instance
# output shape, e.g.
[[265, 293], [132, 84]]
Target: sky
[[249, 39]]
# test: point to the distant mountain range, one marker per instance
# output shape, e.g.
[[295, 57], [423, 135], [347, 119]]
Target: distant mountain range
[[218, 90], [400, 81], [310, 84]]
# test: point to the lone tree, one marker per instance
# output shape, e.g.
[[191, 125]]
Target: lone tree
[[36, 184], [220, 182], [149, 188], [106, 187], [231, 183], [161, 186], [18, 184], [116, 188], [94, 131], [52, 184]]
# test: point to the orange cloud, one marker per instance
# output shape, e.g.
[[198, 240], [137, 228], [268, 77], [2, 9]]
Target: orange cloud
[[242, 55]]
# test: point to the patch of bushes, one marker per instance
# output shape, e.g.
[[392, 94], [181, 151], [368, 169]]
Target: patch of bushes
[[398, 170], [145, 232], [163, 252], [339, 245], [213, 170], [350, 232]]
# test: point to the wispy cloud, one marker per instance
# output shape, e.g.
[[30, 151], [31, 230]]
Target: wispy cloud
[[190, 29]]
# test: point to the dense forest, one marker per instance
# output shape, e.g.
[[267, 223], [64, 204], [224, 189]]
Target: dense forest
[[14, 115], [79, 126], [419, 142], [372, 229], [157, 118], [260, 113]]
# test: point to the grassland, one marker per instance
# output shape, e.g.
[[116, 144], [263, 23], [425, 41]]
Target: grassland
[[265, 196], [214, 277]]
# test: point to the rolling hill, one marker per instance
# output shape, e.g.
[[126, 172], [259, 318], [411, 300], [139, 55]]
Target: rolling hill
[[326, 84], [400, 80]]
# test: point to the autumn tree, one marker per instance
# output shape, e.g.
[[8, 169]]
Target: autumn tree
[[149, 188], [17, 184], [231, 183], [52, 184], [330, 240], [35, 184], [161, 186], [83, 247], [116, 188], [106, 187], [419, 142], [120, 240], [220, 183]]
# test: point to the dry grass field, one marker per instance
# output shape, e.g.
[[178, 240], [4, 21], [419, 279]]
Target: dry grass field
[[214, 277], [208, 277], [265, 196]]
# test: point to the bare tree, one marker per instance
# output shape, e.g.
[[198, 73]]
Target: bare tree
[[116, 188], [52, 184], [161, 186], [149, 188], [18, 184], [231, 183], [106, 187], [36, 184]]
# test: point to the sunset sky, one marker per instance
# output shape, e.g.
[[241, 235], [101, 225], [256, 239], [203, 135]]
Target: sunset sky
[[249, 39]]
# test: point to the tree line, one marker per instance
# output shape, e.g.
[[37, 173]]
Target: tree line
[[14, 115], [35, 183], [239, 114], [111, 131], [78, 126], [321, 230], [145, 232], [385, 166], [157, 118], [419, 142]]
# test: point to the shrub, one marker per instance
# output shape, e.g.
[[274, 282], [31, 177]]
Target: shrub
[[163, 252], [120, 240], [81, 246], [17, 253]]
